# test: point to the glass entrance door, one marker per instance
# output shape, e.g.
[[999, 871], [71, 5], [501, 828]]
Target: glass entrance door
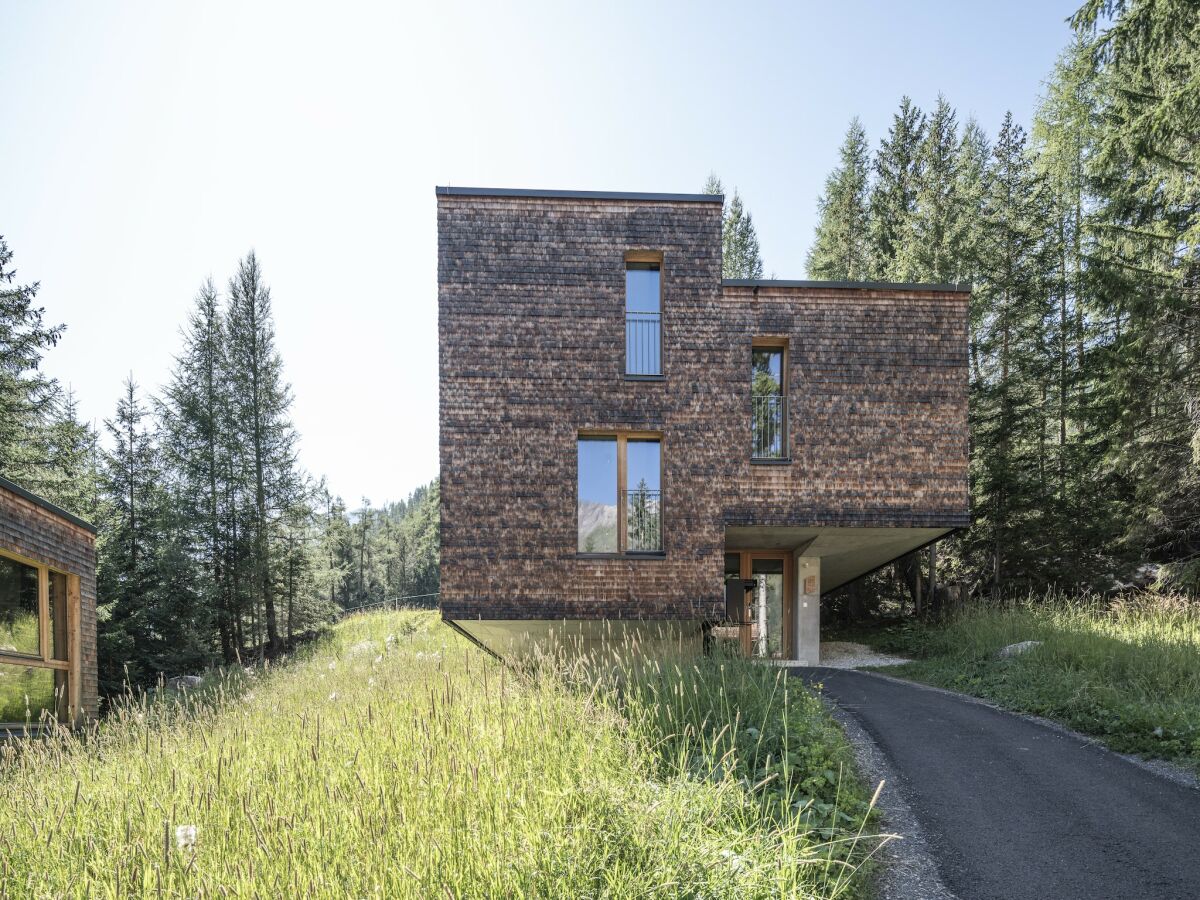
[[763, 616], [767, 607]]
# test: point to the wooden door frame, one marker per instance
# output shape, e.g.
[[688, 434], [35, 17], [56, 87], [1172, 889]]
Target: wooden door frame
[[746, 565]]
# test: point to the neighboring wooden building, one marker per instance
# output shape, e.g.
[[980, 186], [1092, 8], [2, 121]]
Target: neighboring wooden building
[[47, 612], [625, 436]]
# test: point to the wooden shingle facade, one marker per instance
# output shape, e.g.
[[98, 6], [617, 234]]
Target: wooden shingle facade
[[534, 338]]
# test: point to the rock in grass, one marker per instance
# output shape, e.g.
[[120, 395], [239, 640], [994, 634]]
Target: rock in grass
[[1016, 649], [185, 682]]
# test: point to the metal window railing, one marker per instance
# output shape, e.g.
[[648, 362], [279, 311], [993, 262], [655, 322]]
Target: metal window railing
[[768, 426], [643, 521], [643, 343]]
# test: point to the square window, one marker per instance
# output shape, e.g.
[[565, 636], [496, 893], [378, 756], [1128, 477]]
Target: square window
[[619, 499]]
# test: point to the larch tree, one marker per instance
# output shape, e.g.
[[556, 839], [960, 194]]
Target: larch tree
[[261, 403], [196, 441]]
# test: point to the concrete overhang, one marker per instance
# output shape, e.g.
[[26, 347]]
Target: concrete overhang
[[846, 552]]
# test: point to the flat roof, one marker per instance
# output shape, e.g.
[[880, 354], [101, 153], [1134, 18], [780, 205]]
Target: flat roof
[[577, 195], [847, 285], [45, 504]]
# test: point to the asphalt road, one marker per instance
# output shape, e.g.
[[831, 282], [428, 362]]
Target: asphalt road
[[1015, 809]]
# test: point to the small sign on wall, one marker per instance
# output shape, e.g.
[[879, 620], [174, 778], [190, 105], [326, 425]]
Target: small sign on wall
[[810, 584]]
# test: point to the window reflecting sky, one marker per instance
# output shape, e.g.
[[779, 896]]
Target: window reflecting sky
[[642, 462], [641, 290]]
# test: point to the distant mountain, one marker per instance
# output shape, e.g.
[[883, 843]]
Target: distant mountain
[[597, 527]]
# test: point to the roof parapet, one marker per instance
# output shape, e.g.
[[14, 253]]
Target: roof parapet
[[446, 191], [848, 285], [45, 504]]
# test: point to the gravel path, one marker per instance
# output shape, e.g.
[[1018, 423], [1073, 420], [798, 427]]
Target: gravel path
[[847, 655]]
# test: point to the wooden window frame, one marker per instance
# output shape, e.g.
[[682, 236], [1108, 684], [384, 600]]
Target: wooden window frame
[[777, 342], [623, 437], [45, 658], [654, 257]]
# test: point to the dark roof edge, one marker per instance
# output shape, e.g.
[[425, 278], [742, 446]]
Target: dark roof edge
[[577, 195], [45, 504], [848, 285]]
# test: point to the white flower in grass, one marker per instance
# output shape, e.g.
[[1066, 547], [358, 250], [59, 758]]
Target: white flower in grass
[[370, 682], [333, 696], [185, 837], [736, 863], [379, 658], [332, 665]]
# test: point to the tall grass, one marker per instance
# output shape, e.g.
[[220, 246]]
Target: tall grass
[[394, 760], [1127, 672]]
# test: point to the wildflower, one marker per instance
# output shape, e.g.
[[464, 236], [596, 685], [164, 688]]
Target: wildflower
[[332, 665], [333, 696], [185, 837], [370, 682], [736, 863]]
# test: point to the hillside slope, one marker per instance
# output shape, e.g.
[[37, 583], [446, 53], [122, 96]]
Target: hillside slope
[[395, 760]]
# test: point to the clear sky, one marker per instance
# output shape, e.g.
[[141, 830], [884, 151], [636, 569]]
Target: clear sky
[[145, 146]]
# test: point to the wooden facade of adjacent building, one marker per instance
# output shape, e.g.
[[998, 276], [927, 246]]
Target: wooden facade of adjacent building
[[47, 612]]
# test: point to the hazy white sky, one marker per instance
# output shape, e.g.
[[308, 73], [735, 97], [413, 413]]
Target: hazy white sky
[[145, 146]]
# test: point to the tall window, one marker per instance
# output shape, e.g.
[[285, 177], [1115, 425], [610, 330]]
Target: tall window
[[768, 399], [620, 503], [643, 317], [34, 641]]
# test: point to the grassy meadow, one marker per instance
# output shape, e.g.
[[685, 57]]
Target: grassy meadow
[[1126, 672], [393, 759]]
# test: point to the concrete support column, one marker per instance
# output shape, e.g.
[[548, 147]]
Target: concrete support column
[[806, 623]]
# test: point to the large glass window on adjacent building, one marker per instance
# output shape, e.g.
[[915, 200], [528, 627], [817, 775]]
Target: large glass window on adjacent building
[[620, 498], [34, 642], [643, 318]]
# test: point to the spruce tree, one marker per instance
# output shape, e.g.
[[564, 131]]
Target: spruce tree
[[894, 192], [26, 394], [740, 256], [924, 252], [1007, 409], [1143, 273], [841, 247]]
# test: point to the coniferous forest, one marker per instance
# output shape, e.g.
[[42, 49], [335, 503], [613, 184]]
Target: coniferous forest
[[1079, 231], [214, 545]]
